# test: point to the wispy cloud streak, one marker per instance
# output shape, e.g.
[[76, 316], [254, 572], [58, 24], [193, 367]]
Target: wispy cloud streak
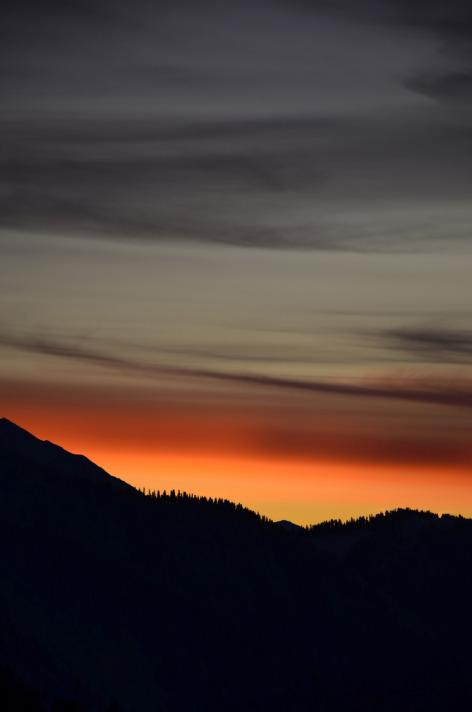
[[419, 391]]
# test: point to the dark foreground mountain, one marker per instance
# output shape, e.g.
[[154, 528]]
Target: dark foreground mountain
[[113, 600]]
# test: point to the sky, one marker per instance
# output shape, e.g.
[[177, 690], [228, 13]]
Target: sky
[[235, 246]]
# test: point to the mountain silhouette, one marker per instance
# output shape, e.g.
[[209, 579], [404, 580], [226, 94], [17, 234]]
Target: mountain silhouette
[[116, 600]]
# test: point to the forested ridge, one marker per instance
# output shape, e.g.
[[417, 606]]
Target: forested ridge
[[118, 599]]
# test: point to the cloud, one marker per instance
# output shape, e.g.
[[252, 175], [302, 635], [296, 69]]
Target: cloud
[[441, 345], [451, 18], [251, 124], [160, 182], [449, 87], [280, 183], [449, 23], [134, 418], [456, 394]]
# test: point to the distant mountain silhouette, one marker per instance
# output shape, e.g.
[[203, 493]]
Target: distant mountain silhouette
[[116, 600], [287, 525]]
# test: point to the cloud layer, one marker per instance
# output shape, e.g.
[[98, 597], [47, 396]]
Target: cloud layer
[[242, 227], [261, 124]]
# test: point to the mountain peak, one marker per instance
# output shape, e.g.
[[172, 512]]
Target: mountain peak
[[9, 429], [6, 423], [25, 454], [289, 526]]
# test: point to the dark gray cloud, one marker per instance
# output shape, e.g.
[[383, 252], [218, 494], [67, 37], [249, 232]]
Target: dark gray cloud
[[455, 86], [439, 345], [457, 394], [445, 18], [450, 23], [254, 124], [283, 183]]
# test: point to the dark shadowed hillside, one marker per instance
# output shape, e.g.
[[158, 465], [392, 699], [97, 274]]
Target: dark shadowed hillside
[[116, 600]]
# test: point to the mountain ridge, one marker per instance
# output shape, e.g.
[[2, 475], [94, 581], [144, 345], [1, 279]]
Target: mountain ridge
[[112, 599], [20, 443], [8, 426]]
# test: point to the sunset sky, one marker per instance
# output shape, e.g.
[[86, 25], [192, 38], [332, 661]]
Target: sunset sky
[[235, 246]]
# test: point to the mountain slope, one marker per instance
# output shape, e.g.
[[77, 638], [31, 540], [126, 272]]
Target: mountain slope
[[27, 457], [177, 603]]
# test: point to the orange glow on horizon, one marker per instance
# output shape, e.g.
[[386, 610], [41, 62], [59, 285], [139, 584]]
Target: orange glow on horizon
[[302, 489]]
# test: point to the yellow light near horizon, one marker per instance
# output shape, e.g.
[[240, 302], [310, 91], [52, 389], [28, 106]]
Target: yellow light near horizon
[[302, 491]]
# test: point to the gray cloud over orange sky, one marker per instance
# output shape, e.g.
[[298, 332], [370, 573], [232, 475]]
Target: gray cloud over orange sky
[[249, 219]]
